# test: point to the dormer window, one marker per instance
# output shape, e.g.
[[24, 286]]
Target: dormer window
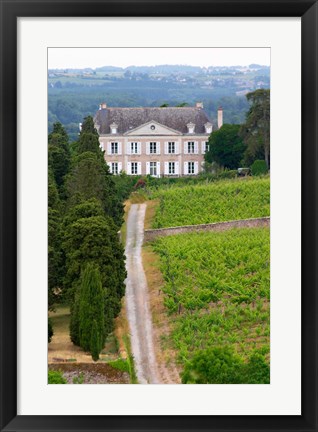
[[113, 128], [191, 127], [208, 127]]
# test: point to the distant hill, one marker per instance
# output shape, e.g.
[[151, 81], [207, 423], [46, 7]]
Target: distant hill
[[76, 93]]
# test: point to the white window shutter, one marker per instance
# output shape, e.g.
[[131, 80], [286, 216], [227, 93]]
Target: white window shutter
[[196, 149], [147, 168], [166, 168], [109, 148], [203, 147], [166, 147], [185, 148], [185, 168], [196, 167], [109, 166], [119, 148], [147, 148], [158, 169], [139, 167], [176, 168], [139, 148], [176, 147], [120, 167], [158, 147], [128, 167], [128, 148]]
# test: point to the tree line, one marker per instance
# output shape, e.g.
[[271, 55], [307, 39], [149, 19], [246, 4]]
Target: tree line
[[86, 265], [235, 145]]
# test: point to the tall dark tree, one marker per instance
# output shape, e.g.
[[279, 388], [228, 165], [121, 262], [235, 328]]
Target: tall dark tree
[[256, 129], [226, 147], [94, 239], [90, 176], [59, 154], [55, 258], [88, 315]]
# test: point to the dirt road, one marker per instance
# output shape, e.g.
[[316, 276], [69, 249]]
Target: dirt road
[[137, 302]]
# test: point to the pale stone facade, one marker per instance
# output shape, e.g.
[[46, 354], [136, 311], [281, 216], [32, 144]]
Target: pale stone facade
[[155, 141]]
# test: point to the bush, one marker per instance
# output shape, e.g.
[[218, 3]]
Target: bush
[[220, 365], [217, 365], [259, 167], [50, 330], [257, 370], [56, 377]]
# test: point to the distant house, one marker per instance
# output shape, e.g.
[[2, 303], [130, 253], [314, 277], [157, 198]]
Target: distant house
[[167, 141]]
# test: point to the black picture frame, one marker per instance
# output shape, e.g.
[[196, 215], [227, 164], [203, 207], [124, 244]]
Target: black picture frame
[[10, 11]]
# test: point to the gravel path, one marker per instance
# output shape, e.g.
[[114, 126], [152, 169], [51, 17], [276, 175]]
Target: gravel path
[[137, 302]]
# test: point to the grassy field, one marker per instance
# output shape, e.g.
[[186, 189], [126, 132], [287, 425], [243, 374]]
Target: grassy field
[[213, 202], [216, 291]]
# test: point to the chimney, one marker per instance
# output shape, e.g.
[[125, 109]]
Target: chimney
[[199, 105], [220, 117], [103, 105]]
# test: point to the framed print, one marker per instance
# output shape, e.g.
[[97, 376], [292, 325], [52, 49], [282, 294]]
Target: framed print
[[137, 32]]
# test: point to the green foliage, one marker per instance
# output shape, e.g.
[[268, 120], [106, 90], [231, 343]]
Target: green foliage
[[88, 312], [90, 178], [259, 167], [256, 129], [96, 344], [120, 364], [220, 365], [59, 154], [95, 239], [212, 202], [88, 126], [217, 290], [50, 330], [226, 147], [79, 379], [124, 185], [130, 361], [56, 377], [217, 365], [55, 256], [257, 370], [200, 268]]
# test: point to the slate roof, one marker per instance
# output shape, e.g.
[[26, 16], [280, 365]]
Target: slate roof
[[175, 118]]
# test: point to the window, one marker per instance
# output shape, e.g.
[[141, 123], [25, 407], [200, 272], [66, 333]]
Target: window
[[153, 168], [190, 167], [206, 146], [153, 147], [171, 147], [114, 167], [172, 168], [134, 167], [190, 146], [134, 148], [114, 148]]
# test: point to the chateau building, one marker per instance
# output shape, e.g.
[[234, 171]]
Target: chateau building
[[168, 141]]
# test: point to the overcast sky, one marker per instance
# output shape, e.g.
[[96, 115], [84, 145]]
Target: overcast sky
[[63, 58]]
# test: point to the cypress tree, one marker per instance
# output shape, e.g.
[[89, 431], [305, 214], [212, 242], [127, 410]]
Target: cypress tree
[[91, 311], [59, 155], [96, 344], [55, 256]]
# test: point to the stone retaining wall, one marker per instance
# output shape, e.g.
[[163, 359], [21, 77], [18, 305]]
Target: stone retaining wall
[[151, 234]]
